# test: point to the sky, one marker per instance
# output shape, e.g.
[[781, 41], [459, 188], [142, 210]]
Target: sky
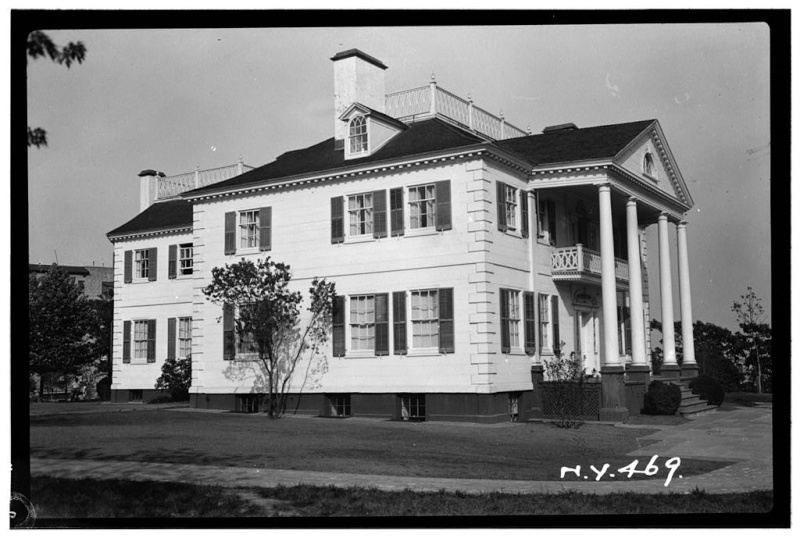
[[172, 100]]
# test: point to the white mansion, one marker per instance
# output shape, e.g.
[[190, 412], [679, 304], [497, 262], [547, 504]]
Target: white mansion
[[464, 251]]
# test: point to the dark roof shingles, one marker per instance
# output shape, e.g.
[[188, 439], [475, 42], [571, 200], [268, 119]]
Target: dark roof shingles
[[159, 216]]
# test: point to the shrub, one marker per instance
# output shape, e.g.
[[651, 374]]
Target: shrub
[[661, 398], [708, 388], [565, 374], [161, 399], [176, 377], [104, 389]]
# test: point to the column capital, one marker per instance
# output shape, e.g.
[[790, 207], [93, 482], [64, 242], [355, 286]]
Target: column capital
[[663, 216], [604, 187], [682, 224], [631, 201]]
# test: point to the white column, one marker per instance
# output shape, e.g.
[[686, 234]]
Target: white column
[[635, 275], [687, 330], [665, 275], [608, 280]]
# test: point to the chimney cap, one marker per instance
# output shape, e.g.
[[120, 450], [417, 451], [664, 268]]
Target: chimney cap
[[560, 127], [149, 172], [363, 55]]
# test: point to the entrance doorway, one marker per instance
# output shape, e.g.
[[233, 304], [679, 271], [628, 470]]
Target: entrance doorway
[[588, 338]]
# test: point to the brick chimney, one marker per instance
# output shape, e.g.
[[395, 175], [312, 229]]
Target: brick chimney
[[357, 78], [147, 188]]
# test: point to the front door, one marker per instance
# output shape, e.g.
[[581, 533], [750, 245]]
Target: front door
[[588, 339]]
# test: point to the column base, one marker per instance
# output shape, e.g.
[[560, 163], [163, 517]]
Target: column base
[[670, 371], [613, 407], [639, 373], [690, 370]]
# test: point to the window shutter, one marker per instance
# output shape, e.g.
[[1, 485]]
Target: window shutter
[[173, 261], [530, 322], [551, 215], [151, 340], [265, 229], [505, 336], [556, 336], [379, 214], [523, 204], [128, 266], [171, 338], [228, 333], [339, 348], [152, 272], [337, 219], [396, 209], [126, 342], [444, 217], [542, 319], [230, 232], [399, 314], [446, 333], [501, 207], [382, 324]]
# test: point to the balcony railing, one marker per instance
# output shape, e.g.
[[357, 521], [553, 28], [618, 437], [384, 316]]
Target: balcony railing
[[173, 185], [432, 100], [575, 263]]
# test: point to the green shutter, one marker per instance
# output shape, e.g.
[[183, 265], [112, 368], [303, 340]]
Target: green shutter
[[399, 315], [339, 348], [446, 332], [554, 313], [505, 330], [228, 333], [501, 207], [523, 203], [152, 272], [230, 232], [530, 322], [381, 324], [173, 261], [128, 266], [444, 217], [151, 340], [126, 342], [337, 219], [396, 209], [171, 338], [379, 214], [265, 229]]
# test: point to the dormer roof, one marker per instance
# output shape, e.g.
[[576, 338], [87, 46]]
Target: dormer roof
[[357, 108]]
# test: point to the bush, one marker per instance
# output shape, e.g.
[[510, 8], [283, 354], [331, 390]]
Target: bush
[[161, 400], [104, 389], [708, 388], [661, 398], [176, 377]]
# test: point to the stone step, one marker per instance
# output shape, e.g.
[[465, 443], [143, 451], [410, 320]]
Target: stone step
[[694, 413]]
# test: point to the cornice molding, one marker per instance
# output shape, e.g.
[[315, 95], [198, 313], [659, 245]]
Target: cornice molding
[[149, 233]]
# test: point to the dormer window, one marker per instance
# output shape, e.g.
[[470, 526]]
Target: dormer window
[[358, 135], [648, 165]]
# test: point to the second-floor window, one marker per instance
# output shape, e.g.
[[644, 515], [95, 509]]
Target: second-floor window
[[360, 208], [422, 206], [186, 259], [362, 322], [248, 229], [142, 263], [511, 207], [358, 134]]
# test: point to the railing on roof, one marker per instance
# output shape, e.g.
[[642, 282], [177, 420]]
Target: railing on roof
[[174, 185], [431, 100]]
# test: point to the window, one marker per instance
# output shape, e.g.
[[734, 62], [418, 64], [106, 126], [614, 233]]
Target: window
[[425, 318], [358, 134], [247, 403], [142, 263], [245, 342], [140, 340], [362, 322], [511, 207], [422, 206], [510, 318], [248, 229], [547, 221], [360, 207], [184, 337], [135, 395], [544, 322], [412, 406], [339, 405], [186, 259]]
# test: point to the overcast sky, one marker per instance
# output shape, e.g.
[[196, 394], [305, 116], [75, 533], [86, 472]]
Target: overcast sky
[[174, 99]]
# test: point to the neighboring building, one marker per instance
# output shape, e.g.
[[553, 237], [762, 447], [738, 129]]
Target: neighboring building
[[463, 249], [95, 282]]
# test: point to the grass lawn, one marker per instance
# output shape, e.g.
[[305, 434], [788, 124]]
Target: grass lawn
[[514, 451], [63, 498]]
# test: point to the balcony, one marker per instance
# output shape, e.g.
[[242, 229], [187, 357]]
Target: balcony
[[579, 263]]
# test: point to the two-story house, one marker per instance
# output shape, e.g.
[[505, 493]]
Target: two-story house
[[465, 251]]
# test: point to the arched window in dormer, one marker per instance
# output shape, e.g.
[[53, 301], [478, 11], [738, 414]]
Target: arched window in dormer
[[358, 135], [648, 165]]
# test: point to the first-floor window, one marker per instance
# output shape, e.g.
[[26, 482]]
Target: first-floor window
[[246, 343], [186, 259], [425, 318], [544, 322], [184, 337], [248, 228], [422, 206], [513, 319], [362, 322], [360, 208], [142, 263], [141, 341]]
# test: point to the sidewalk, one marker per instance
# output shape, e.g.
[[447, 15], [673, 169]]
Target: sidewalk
[[743, 435]]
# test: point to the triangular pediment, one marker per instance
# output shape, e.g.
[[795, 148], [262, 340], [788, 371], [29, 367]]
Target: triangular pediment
[[649, 158]]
